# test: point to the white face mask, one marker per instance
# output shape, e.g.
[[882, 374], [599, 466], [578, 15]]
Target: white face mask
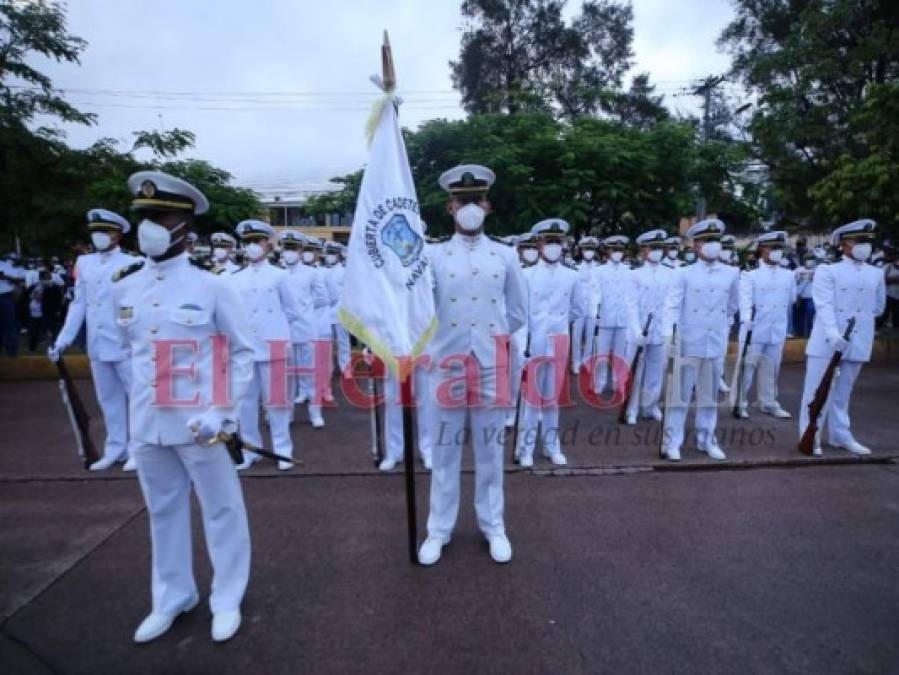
[[291, 257], [655, 255], [809, 264], [552, 252], [470, 217], [861, 252], [101, 240], [775, 256], [672, 254], [330, 259], [254, 251], [711, 250], [725, 255], [308, 257], [784, 262], [530, 255], [155, 240], [589, 254], [616, 256], [689, 256], [220, 254]]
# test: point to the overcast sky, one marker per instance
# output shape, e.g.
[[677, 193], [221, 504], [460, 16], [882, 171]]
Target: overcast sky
[[277, 91]]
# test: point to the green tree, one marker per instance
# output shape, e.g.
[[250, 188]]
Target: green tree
[[813, 66], [520, 55]]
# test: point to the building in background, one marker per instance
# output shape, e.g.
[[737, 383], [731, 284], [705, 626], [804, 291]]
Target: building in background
[[286, 208]]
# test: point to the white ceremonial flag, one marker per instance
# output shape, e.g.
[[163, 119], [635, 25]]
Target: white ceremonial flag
[[387, 301]]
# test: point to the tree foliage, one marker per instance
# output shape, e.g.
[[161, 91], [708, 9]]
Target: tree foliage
[[823, 71]]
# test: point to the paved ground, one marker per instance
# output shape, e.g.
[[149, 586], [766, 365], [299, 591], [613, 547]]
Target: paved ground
[[626, 567]]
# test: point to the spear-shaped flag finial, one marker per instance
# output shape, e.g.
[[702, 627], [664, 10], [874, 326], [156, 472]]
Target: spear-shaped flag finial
[[387, 72]]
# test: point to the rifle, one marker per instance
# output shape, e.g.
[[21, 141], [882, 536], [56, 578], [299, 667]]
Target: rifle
[[629, 387], [78, 417], [593, 353], [816, 405], [374, 413], [741, 369], [235, 446], [671, 372], [522, 385]]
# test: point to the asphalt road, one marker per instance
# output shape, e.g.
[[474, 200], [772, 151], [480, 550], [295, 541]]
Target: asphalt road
[[619, 564]]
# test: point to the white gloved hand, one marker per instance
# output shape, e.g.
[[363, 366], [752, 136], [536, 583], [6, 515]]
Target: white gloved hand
[[54, 352], [837, 342], [747, 324], [639, 340], [204, 427]]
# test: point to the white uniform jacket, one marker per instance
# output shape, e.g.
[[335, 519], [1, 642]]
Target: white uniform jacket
[[311, 299], [771, 289], [553, 303], [842, 290], [649, 285], [93, 301], [614, 281], [174, 300]]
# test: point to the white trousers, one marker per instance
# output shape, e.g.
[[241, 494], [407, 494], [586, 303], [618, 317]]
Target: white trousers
[[278, 416], [543, 419], [483, 426], [393, 415], [583, 343], [763, 360], [343, 346], [609, 345], [517, 348], [647, 388], [304, 385], [112, 382], [577, 342], [836, 410], [166, 473], [695, 379]]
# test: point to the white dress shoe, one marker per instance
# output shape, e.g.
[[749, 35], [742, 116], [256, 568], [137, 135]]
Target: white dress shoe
[[429, 553], [500, 548], [130, 465], [713, 451], [509, 422], [387, 464], [158, 624], [722, 387], [630, 420], [777, 411], [285, 466], [672, 454], [526, 461], [655, 414], [816, 451], [317, 421], [558, 459], [249, 459], [742, 412], [225, 625], [300, 399], [103, 463], [854, 447], [426, 461]]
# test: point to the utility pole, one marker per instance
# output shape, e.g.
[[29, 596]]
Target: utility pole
[[705, 89]]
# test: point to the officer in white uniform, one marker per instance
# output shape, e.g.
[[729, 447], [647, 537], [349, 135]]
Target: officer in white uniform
[[727, 257], [614, 283], [585, 325], [649, 287], [169, 299], [106, 347], [528, 255], [480, 297], [841, 290], [332, 274], [223, 247], [552, 304], [12, 277], [771, 290], [312, 255], [672, 253], [701, 303], [311, 299], [272, 315]]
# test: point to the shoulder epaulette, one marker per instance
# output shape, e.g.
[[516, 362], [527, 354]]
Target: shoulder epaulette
[[128, 269], [205, 266], [498, 240], [570, 265], [240, 269], [439, 240]]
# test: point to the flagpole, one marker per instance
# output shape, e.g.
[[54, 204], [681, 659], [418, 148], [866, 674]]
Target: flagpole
[[408, 403]]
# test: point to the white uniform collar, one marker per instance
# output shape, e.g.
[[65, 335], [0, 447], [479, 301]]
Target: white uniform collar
[[170, 264], [108, 252], [467, 240]]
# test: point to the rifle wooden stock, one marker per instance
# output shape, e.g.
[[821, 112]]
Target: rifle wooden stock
[[670, 370], [81, 421], [741, 370], [522, 385], [629, 387], [816, 405]]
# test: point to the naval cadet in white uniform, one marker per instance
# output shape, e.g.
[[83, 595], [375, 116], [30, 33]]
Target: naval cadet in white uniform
[[584, 328], [701, 302], [106, 347], [614, 283], [332, 275], [179, 406], [672, 253], [480, 300], [649, 287], [552, 304], [528, 255], [223, 247], [771, 291], [272, 314], [311, 299], [848, 288]]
